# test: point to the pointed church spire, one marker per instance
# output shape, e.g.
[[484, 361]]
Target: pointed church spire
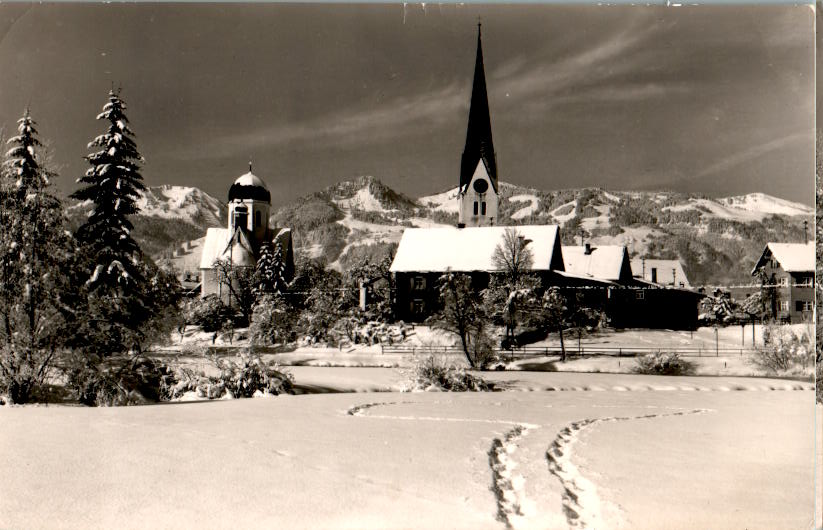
[[479, 132]]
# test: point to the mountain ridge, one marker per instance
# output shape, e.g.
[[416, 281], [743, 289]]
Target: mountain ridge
[[363, 218]]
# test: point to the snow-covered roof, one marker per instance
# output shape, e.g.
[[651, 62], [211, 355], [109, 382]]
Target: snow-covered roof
[[220, 244], [250, 179], [604, 262], [642, 268], [471, 249], [793, 257]]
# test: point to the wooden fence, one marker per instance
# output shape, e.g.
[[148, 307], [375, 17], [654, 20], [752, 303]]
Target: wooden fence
[[572, 351]]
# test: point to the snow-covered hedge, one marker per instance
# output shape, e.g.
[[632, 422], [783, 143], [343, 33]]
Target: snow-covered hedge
[[245, 377], [663, 363], [430, 373], [119, 381], [785, 350]]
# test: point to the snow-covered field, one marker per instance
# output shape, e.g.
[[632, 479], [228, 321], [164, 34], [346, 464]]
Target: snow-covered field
[[663, 458]]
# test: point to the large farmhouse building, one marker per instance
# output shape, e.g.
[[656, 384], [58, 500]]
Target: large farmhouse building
[[238, 245], [424, 254], [786, 272]]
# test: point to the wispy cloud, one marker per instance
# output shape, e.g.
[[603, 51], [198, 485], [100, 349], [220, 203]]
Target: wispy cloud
[[752, 153], [606, 58], [621, 66], [389, 120]]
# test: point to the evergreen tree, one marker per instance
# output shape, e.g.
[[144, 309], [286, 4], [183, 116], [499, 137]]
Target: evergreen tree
[[36, 253], [126, 300], [113, 184], [270, 273]]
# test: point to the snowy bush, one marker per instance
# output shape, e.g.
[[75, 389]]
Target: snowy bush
[[118, 381], [272, 321], [209, 313], [238, 378], [433, 374], [250, 374], [784, 351], [662, 363]]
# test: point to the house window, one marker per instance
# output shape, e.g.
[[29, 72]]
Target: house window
[[784, 305], [783, 281], [417, 306], [803, 305], [483, 208], [475, 207], [640, 295], [418, 283]]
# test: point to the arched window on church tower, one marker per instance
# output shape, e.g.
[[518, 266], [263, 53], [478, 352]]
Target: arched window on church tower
[[257, 219]]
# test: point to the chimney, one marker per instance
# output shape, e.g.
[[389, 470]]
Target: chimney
[[654, 274], [587, 249], [805, 232]]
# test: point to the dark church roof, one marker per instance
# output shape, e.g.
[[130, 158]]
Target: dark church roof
[[249, 186], [479, 133]]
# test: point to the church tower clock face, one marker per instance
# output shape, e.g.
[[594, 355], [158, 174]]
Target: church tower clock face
[[481, 186]]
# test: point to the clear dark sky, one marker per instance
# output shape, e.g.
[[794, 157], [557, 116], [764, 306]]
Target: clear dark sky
[[710, 99]]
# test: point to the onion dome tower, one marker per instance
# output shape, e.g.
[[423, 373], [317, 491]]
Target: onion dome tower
[[249, 205]]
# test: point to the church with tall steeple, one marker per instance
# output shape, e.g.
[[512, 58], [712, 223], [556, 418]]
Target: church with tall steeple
[[477, 195]]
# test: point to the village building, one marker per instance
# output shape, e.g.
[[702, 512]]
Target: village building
[[668, 272], [600, 262], [239, 244], [786, 272], [424, 254], [627, 299]]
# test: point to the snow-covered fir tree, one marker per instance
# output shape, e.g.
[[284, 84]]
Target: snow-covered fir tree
[[271, 270], [36, 252], [113, 184], [122, 301]]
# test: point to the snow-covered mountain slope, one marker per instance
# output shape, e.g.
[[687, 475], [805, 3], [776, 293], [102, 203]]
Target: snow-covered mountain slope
[[367, 194], [182, 202], [761, 203], [185, 203], [445, 201]]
